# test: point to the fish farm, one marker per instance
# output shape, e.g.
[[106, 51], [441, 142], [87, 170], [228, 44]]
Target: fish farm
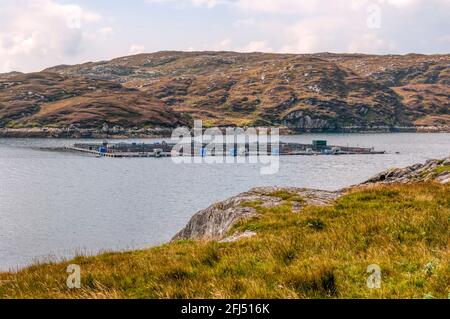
[[164, 149]]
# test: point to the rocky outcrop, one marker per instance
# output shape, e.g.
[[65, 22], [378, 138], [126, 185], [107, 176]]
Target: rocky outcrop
[[432, 170], [300, 121], [214, 222]]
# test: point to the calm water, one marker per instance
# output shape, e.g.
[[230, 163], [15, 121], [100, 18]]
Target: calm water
[[54, 205]]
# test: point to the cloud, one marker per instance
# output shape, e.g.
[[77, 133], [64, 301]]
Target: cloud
[[6, 66], [367, 26], [227, 44], [277, 6], [402, 3], [335, 34], [257, 46], [207, 3], [105, 30], [136, 49], [39, 33], [320, 6], [42, 30]]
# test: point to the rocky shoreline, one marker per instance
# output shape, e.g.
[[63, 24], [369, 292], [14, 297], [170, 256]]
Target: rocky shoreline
[[76, 133], [431, 170], [215, 222]]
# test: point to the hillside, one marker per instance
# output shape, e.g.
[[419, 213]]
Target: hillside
[[282, 243], [53, 100], [318, 92], [427, 104], [396, 70]]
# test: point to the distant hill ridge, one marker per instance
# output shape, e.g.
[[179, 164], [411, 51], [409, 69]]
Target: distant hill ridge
[[303, 92]]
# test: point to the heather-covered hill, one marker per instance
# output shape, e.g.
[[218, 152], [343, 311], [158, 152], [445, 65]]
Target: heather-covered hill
[[315, 92], [427, 104], [319, 91], [396, 70], [54, 100]]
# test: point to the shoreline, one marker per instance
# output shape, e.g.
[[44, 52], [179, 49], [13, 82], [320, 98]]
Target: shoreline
[[89, 133]]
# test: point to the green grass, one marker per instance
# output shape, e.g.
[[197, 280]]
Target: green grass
[[321, 252], [442, 169], [287, 196], [14, 125], [254, 204]]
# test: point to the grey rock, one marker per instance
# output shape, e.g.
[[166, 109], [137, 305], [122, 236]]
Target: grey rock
[[415, 173], [214, 222]]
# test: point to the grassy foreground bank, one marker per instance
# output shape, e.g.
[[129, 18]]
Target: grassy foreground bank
[[321, 252]]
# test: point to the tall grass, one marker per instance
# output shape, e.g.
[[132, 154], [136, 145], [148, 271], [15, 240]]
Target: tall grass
[[321, 252]]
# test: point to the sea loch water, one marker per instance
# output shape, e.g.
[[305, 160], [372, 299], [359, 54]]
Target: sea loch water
[[54, 205]]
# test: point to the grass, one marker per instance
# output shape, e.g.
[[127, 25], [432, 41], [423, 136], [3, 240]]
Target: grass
[[322, 252], [287, 196], [14, 125], [442, 169], [253, 204]]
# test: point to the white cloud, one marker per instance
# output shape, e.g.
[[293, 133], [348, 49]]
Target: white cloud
[[33, 31], [343, 25], [370, 43], [278, 6], [105, 30], [402, 3], [136, 49], [39, 33], [227, 44], [257, 46], [6, 66], [207, 3], [320, 6], [368, 26], [333, 34]]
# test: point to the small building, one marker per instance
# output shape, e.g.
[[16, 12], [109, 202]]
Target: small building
[[320, 144]]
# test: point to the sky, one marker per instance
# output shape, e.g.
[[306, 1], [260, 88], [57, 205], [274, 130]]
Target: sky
[[35, 34]]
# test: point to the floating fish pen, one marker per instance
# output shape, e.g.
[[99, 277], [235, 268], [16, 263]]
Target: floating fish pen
[[163, 149]]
